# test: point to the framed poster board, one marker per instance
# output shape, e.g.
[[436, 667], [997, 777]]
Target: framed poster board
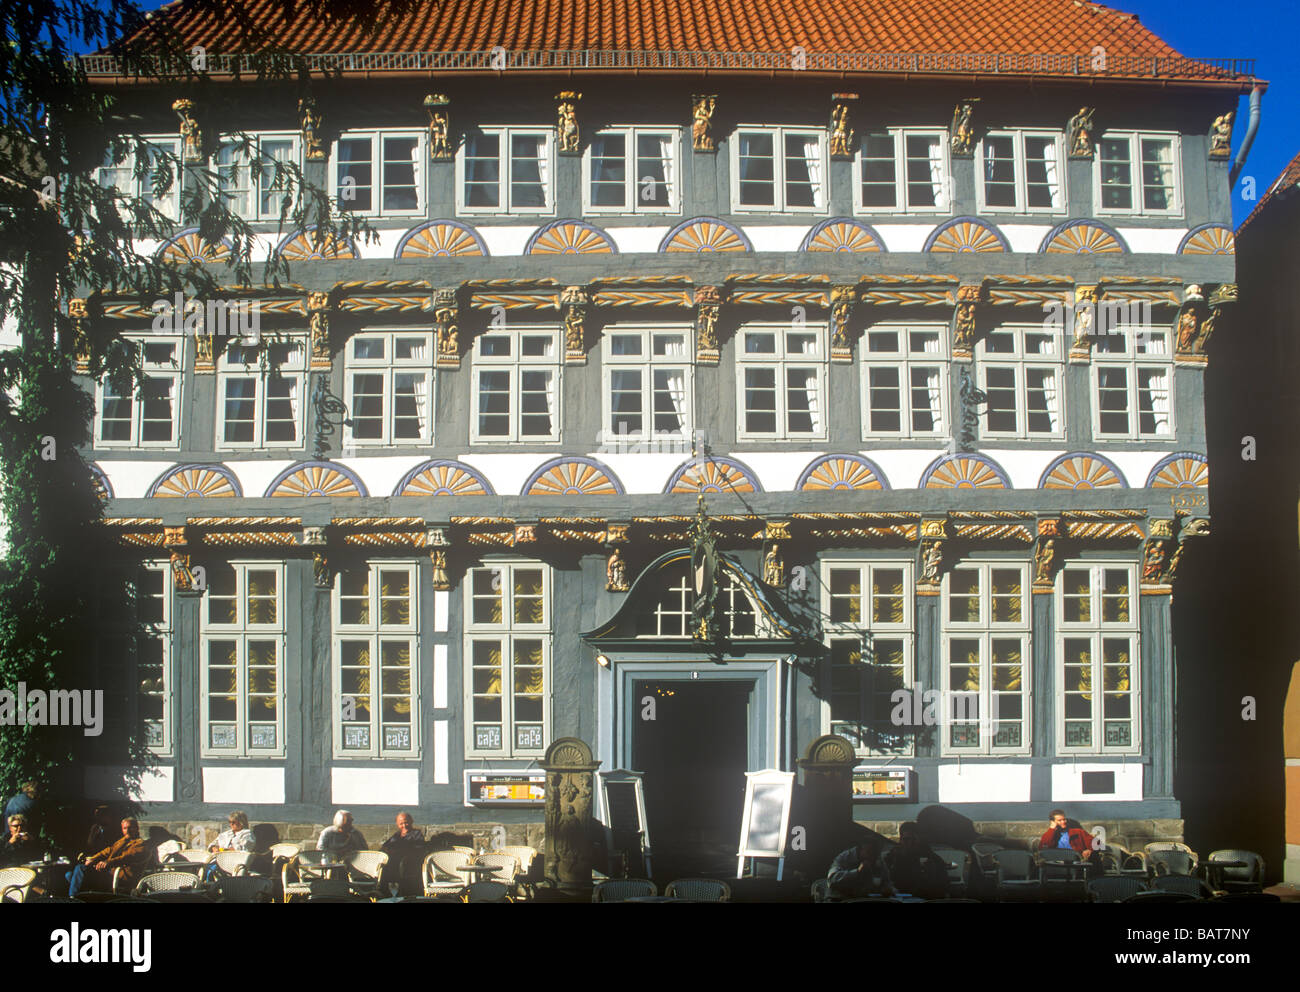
[[882, 784], [766, 820], [622, 796], [505, 788]]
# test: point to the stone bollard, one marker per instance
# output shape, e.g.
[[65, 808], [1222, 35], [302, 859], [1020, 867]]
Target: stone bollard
[[570, 783]]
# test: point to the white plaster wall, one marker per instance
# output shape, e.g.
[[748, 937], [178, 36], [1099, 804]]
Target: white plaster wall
[[255, 476], [772, 237], [386, 244], [506, 473], [507, 240], [440, 672], [243, 786], [1153, 240], [777, 471], [984, 783], [375, 786], [1024, 468], [157, 785], [903, 466], [644, 473], [1136, 465], [131, 480], [636, 240], [441, 776], [1025, 237], [380, 473], [1067, 783], [907, 237], [440, 598]]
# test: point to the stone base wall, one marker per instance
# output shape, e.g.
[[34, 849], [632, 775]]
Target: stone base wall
[[1130, 834], [201, 833]]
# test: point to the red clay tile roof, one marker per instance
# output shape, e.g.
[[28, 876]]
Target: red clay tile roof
[[825, 28], [1287, 181]]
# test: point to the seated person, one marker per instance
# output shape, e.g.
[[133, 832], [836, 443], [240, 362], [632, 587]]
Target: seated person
[[237, 837], [406, 849], [342, 838], [914, 868], [1066, 835], [128, 852], [19, 846], [859, 872]]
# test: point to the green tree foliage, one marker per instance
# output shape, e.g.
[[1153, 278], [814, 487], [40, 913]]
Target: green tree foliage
[[62, 235]]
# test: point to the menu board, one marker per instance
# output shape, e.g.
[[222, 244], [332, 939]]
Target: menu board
[[505, 788], [767, 814], [882, 784]]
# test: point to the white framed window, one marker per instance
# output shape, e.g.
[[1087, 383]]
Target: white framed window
[[1097, 648], [1138, 173], [134, 178], [632, 170], [781, 381], [259, 395], [379, 173], [376, 661], [778, 169], [134, 653], [389, 388], [246, 172], [516, 385], [242, 660], [148, 415], [1021, 371], [649, 385], [902, 170], [986, 658], [508, 659], [506, 170], [669, 614], [1021, 172], [905, 381], [1133, 383], [869, 630]]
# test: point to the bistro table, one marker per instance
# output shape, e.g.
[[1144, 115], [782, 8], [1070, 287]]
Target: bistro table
[[484, 871]]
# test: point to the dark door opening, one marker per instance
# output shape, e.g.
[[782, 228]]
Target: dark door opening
[[694, 754]]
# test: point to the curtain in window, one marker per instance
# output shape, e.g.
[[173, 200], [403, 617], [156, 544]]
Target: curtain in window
[[1158, 166], [812, 157], [972, 681], [932, 393], [675, 380], [666, 162], [494, 672], [1116, 675], [550, 409], [1006, 671], [542, 163], [396, 678], [1053, 179], [1155, 386], [528, 674], [1084, 669], [887, 595], [1048, 382], [936, 173]]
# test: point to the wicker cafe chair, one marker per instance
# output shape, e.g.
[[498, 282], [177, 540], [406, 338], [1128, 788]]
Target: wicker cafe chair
[[699, 890], [1169, 857], [487, 892], [165, 881], [983, 851], [167, 848], [364, 870], [528, 861], [285, 851], [186, 859], [1017, 876], [1248, 879], [1182, 883], [507, 866], [441, 875], [310, 876], [15, 883], [1114, 888], [231, 862], [245, 888], [619, 889], [958, 868]]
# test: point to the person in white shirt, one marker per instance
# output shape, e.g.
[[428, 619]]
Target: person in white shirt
[[238, 837]]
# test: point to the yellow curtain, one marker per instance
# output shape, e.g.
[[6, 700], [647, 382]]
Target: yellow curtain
[[494, 681], [261, 597], [1006, 671], [396, 660], [395, 598], [972, 683], [1006, 596], [528, 670], [1117, 675], [1084, 668]]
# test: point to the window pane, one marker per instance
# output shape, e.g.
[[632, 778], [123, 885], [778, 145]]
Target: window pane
[[757, 170], [528, 165], [964, 595], [760, 401], [1000, 386], [1157, 173], [368, 406], [1112, 400], [846, 595], [281, 409], [1000, 171], [625, 401], [535, 403], [494, 403], [400, 190], [883, 398], [240, 410], [1116, 176], [654, 164], [483, 171], [355, 175], [925, 171], [802, 170], [878, 178]]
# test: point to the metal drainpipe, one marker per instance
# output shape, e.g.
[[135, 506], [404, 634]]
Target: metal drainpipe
[[1256, 95], [788, 675]]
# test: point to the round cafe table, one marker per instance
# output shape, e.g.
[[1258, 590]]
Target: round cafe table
[[484, 872]]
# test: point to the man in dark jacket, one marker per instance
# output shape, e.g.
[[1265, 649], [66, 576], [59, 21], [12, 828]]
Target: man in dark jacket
[[914, 868], [1066, 835], [406, 849]]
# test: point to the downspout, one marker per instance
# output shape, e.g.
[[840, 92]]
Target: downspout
[[788, 675], [1255, 96]]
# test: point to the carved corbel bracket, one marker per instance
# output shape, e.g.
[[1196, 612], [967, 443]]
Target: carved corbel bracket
[[319, 308], [841, 131], [934, 534], [437, 105], [963, 327], [311, 124], [574, 301], [1085, 318], [191, 133], [1046, 556], [702, 107], [708, 307], [568, 138], [842, 300], [445, 315]]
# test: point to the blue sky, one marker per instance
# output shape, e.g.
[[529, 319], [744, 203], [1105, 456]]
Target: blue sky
[[1264, 30]]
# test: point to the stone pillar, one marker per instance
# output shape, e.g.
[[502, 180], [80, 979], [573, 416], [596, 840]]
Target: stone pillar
[[827, 767], [570, 788]]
